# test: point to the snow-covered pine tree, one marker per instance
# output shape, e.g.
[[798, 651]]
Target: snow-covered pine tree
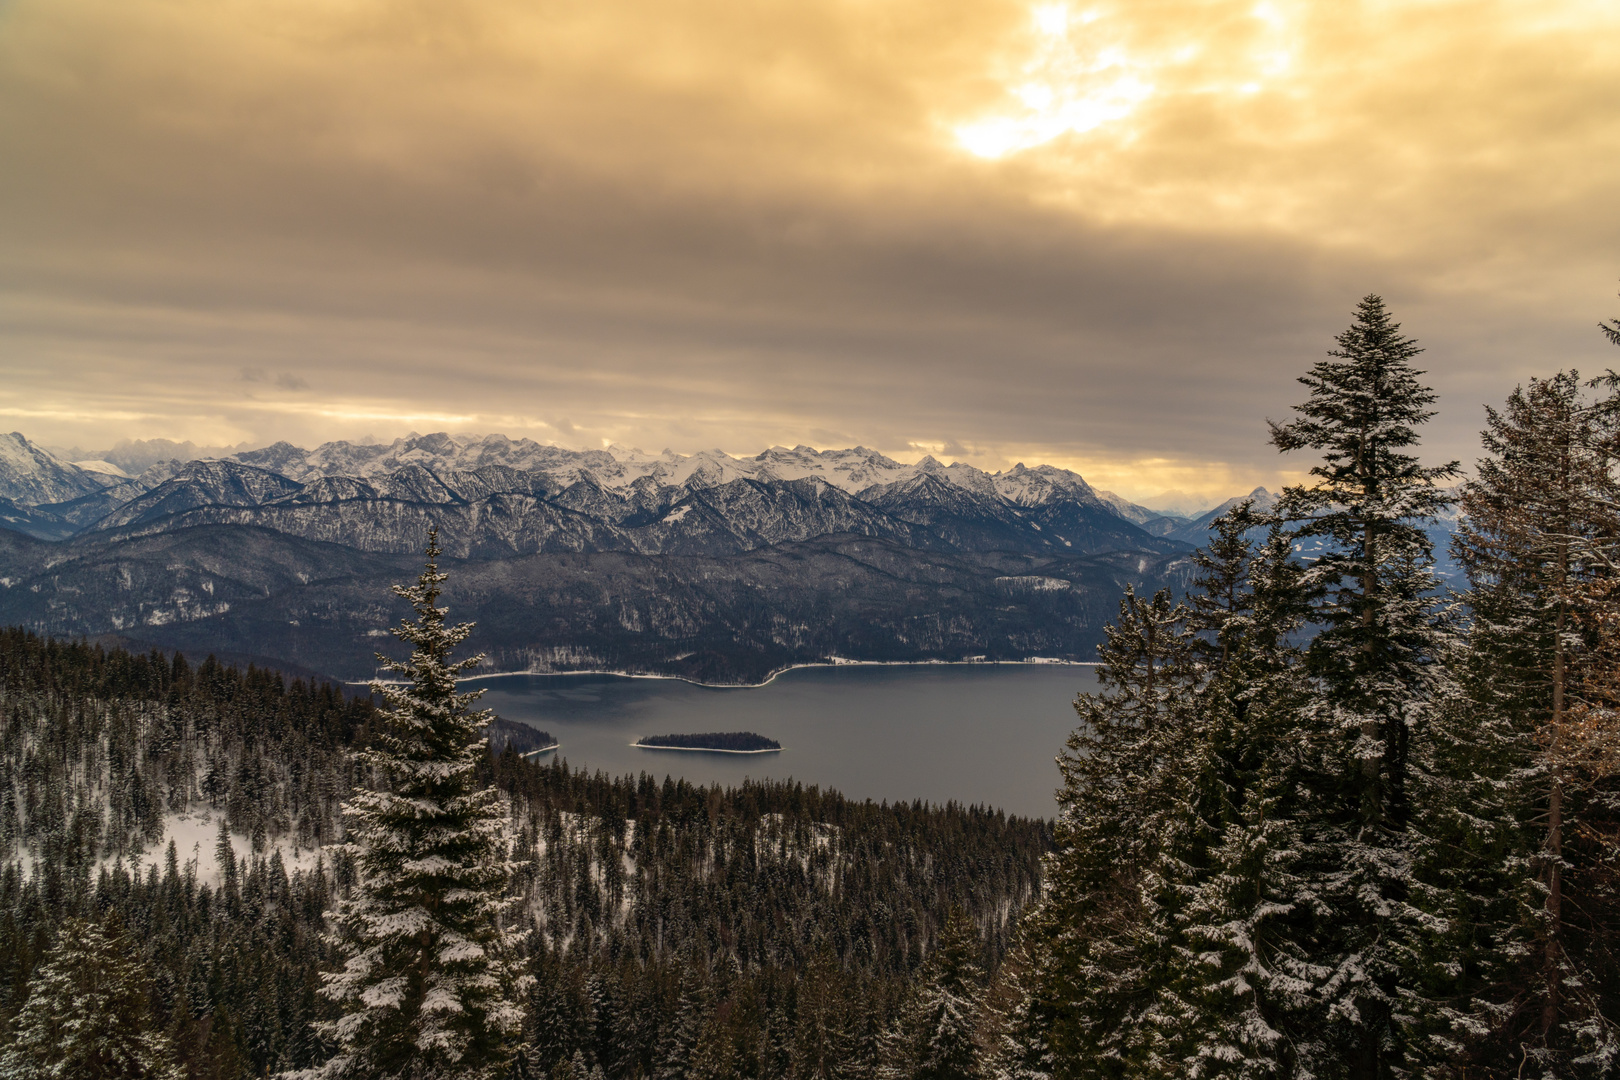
[[433, 977], [1531, 747], [1375, 658], [1237, 999], [1021, 1049], [1174, 936], [678, 1042], [935, 1037], [87, 1016], [1100, 931], [225, 863], [821, 1042]]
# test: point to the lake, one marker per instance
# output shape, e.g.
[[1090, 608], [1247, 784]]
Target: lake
[[977, 733]]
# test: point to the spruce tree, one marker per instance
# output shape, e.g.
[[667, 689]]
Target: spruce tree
[[1232, 996], [1099, 935], [1022, 1048], [225, 862], [1532, 745], [87, 1017], [1230, 894], [679, 1040], [935, 1037], [1367, 508], [950, 1005], [430, 986], [1376, 660]]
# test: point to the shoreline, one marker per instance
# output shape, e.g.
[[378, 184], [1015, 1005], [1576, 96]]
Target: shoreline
[[705, 749], [1034, 661], [542, 750]]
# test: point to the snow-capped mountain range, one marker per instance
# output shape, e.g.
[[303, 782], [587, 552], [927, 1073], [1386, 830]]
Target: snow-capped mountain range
[[706, 566], [492, 497], [854, 471]]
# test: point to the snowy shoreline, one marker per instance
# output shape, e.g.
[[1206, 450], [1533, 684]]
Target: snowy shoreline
[[837, 662]]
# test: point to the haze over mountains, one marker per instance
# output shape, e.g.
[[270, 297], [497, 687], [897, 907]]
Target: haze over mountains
[[708, 565]]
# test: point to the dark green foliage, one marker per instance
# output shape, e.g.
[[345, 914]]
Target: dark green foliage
[[87, 1016], [1092, 942], [432, 973], [1376, 652], [937, 1035], [1376, 666], [520, 737], [1178, 930], [1231, 894]]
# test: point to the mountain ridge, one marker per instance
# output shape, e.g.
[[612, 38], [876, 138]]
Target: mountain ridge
[[491, 488], [705, 566]]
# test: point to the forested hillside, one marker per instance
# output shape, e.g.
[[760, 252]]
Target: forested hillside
[[776, 926], [259, 593]]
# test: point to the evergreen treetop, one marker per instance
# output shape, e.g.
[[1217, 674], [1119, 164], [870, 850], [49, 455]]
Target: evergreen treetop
[[1367, 507]]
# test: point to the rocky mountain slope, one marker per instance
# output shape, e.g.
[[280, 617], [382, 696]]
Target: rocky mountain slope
[[31, 476], [495, 498], [708, 566]]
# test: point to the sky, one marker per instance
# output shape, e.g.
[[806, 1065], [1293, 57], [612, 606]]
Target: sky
[[1106, 236]]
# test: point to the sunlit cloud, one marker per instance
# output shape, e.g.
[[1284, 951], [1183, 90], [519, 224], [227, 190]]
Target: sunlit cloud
[[1074, 81], [77, 414], [1090, 69]]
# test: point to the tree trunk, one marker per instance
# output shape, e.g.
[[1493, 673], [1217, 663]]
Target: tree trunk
[[1554, 847]]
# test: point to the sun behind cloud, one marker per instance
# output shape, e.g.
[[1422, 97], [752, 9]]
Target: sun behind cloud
[[1075, 80], [1091, 67]]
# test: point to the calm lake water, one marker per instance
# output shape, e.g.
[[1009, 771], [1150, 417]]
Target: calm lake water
[[976, 733]]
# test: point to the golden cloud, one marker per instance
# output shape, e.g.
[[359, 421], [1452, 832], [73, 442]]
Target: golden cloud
[[778, 195]]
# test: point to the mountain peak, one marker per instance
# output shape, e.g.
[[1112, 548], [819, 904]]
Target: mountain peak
[[30, 475]]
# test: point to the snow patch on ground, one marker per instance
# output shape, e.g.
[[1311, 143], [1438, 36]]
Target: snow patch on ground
[[195, 837], [106, 468], [1035, 583]]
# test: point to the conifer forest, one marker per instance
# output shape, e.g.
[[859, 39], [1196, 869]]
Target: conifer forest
[[1327, 817]]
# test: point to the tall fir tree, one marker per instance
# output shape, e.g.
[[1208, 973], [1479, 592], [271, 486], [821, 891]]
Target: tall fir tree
[[1103, 929], [1237, 999], [936, 1036], [1023, 1014], [87, 1015], [1532, 747], [693, 1008], [1376, 659], [432, 981], [1177, 935]]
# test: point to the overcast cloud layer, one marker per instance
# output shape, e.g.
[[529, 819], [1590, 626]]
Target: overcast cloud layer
[[1103, 235]]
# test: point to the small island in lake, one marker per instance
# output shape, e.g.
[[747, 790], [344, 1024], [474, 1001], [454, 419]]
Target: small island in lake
[[726, 742], [522, 738]]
